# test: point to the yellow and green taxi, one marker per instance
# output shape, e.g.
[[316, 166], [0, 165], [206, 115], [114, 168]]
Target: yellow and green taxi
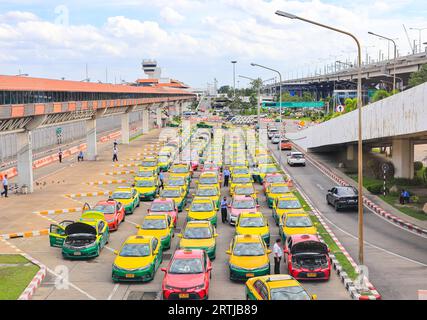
[[83, 239], [209, 178], [202, 208], [248, 257], [128, 197], [178, 181], [239, 179], [253, 223], [245, 189], [159, 225], [264, 169], [138, 259], [181, 169], [199, 235], [276, 190], [144, 172], [177, 194], [296, 223], [276, 287], [149, 162], [164, 163], [147, 187], [283, 205], [209, 191]]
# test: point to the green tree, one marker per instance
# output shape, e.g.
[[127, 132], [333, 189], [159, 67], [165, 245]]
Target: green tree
[[418, 77], [380, 94], [350, 104], [225, 89]]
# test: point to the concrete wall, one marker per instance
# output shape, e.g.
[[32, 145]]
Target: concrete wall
[[402, 114]]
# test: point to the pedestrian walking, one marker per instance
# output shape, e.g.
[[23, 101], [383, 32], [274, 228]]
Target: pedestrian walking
[[115, 144], [224, 212], [5, 186], [161, 177], [226, 176], [278, 253], [60, 155], [115, 152]]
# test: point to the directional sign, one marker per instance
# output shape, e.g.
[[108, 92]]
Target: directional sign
[[339, 108]]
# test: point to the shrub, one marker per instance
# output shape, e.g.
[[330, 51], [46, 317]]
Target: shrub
[[376, 188], [418, 165]]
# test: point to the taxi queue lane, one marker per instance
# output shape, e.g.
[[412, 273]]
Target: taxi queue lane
[[92, 279]]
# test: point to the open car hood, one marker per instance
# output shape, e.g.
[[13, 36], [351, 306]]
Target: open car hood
[[309, 247], [79, 227]]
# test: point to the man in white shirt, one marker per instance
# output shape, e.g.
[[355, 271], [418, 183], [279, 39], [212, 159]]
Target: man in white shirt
[[278, 253], [5, 186]]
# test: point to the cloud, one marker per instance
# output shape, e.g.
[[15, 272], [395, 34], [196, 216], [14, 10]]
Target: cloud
[[171, 16]]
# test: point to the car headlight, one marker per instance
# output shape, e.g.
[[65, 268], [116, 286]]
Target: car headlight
[[265, 266], [171, 287], [233, 266], [110, 220]]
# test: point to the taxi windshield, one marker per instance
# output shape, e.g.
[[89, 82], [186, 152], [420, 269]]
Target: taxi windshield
[[163, 159], [289, 293], [268, 169], [176, 182], [198, 233], [135, 250], [244, 190], [154, 224], [273, 179], [255, 222], [279, 189], [161, 206], [289, 204], [179, 169], [145, 174], [248, 249], [241, 171], [186, 266], [170, 193], [244, 204], [148, 163], [298, 222], [242, 180], [201, 206], [104, 208], [144, 183], [121, 195], [206, 192], [208, 180]]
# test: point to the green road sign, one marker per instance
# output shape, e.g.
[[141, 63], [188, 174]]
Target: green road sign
[[302, 104], [58, 131]]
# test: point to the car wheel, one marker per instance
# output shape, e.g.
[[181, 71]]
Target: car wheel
[[327, 200], [98, 250], [336, 207]]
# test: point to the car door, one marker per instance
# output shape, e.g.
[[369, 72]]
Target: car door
[[330, 195], [156, 252], [102, 233], [57, 233], [120, 212]]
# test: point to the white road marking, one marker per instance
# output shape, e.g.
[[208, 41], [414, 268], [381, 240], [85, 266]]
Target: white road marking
[[108, 248], [131, 222], [320, 187], [114, 291]]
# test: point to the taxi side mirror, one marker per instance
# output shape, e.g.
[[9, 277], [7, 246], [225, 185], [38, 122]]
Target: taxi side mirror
[[187, 209], [268, 251], [116, 252], [163, 269], [156, 251], [157, 195], [209, 269], [215, 235], [285, 251], [138, 226], [228, 252], [314, 297], [179, 235]]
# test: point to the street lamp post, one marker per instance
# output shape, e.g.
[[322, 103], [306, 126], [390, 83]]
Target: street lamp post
[[359, 107], [395, 54], [280, 101], [234, 78]]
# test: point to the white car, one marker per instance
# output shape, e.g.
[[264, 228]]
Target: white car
[[275, 139], [296, 158]]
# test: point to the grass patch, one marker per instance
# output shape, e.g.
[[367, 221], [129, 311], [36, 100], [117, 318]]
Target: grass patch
[[14, 279], [346, 265], [408, 210], [135, 137]]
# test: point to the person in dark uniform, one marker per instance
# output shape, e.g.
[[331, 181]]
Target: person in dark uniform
[[224, 210]]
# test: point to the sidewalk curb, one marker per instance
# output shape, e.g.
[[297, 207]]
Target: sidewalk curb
[[345, 279], [370, 204], [89, 194], [26, 234], [57, 211], [118, 173], [37, 280], [93, 183]]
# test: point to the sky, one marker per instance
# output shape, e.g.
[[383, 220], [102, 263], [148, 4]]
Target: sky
[[195, 40]]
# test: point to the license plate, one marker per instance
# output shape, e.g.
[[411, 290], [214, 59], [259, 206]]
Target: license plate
[[311, 275], [130, 275], [77, 253], [184, 295], [249, 275]]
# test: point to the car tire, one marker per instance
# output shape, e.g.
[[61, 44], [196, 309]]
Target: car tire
[[327, 200], [336, 207]]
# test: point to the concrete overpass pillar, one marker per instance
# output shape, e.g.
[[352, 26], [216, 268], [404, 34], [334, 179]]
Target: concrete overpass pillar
[[91, 151], [145, 120], [159, 116], [403, 158], [351, 152], [125, 128], [25, 160]]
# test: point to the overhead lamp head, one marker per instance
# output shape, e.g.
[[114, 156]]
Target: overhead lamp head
[[286, 14]]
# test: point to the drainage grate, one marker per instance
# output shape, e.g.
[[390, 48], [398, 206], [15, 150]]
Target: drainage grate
[[142, 295]]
